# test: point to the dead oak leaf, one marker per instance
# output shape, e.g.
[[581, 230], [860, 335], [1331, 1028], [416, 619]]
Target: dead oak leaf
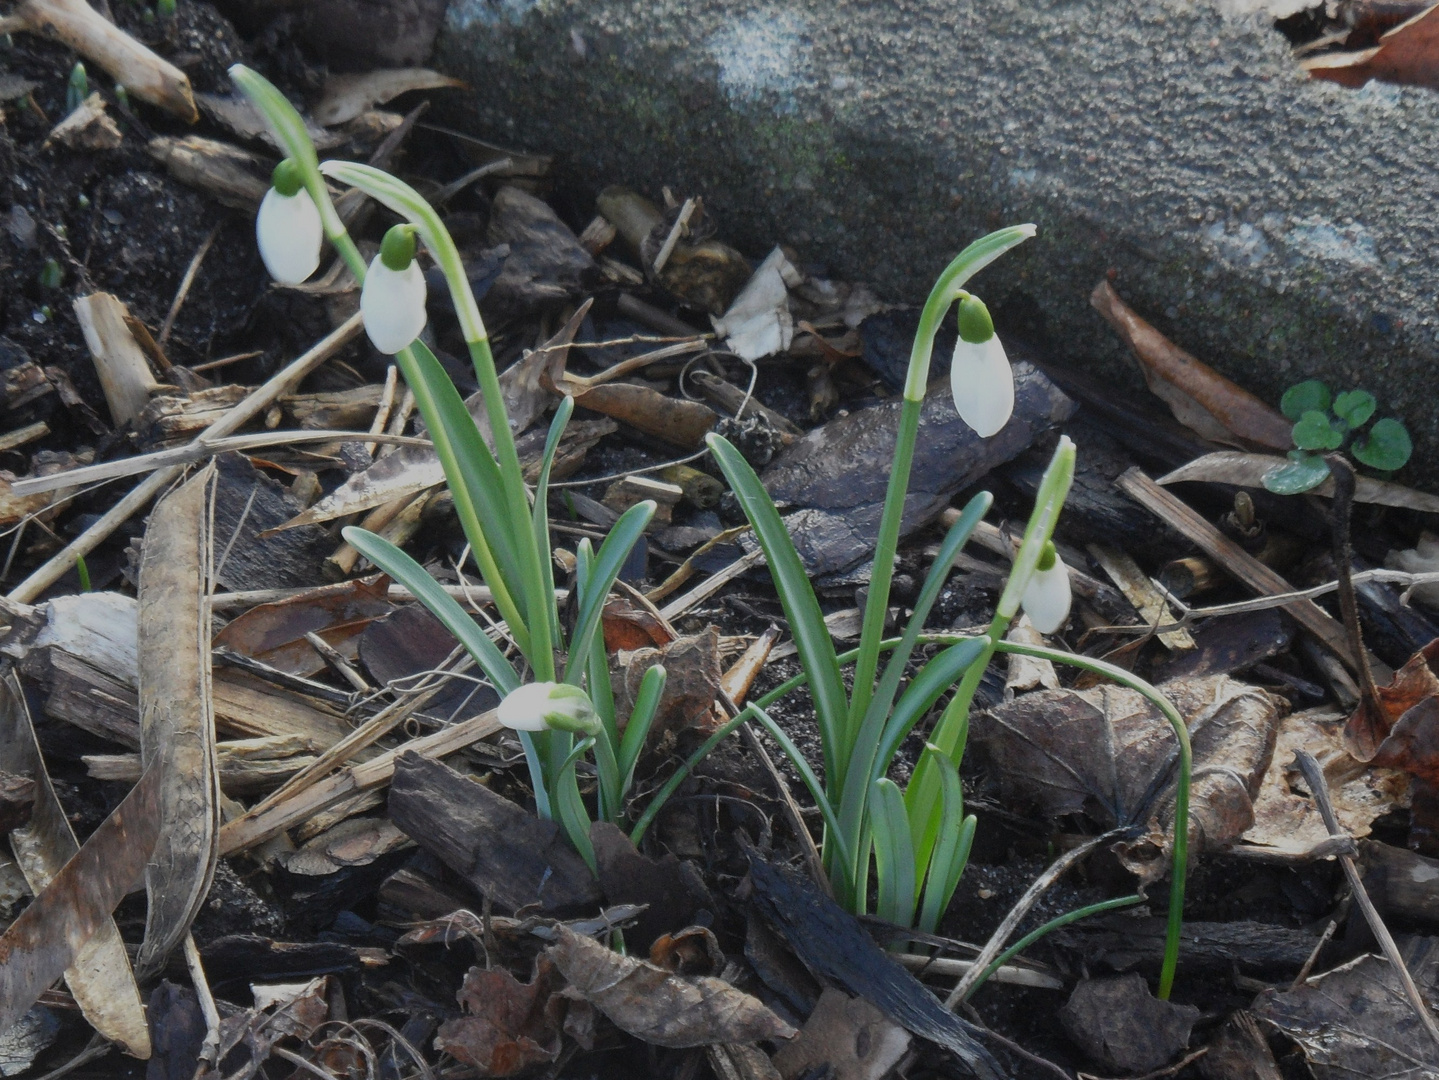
[[1413, 684], [657, 1007], [1357, 1021], [508, 1025], [1109, 754]]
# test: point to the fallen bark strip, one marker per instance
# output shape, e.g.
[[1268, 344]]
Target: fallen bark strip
[[177, 715], [255, 828], [1242, 565], [252, 406]]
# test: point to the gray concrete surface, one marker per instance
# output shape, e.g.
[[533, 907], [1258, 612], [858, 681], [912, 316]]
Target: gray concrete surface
[[1276, 227]]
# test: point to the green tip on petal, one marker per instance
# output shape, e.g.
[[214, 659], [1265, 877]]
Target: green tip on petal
[[975, 325], [1048, 557], [397, 250], [287, 178]]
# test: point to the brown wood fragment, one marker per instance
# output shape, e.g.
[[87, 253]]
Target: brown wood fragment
[[678, 422], [17, 798], [1241, 565], [230, 175], [503, 851], [120, 363]]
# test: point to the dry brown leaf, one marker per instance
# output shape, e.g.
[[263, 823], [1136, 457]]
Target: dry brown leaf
[[1102, 752], [1200, 398], [177, 717], [1247, 470], [1356, 1021], [1407, 54], [49, 935], [1286, 820], [347, 96], [508, 1025], [275, 633], [660, 1008], [100, 977], [692, 670]]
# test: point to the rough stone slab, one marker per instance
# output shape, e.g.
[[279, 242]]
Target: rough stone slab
[[1278, 228]]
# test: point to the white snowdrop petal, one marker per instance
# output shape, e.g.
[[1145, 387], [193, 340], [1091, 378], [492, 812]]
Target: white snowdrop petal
[[1046, 598], [393, 303], [983, 385], [524, 708], [289, 233]]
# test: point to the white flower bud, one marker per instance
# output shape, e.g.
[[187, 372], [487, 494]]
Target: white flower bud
[[1046, 598], [541, 706], [289, 234], [983, 385], [393, 303]]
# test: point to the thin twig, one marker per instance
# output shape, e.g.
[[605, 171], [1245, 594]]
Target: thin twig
[[1342, 508], [1016, 915], [185, 283], [1319, 789], [686, 211], [140, 496], [210, 1048]]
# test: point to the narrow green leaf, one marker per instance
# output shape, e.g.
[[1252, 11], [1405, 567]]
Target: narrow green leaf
[[893, 854], [573, 815], [811, 781], [611, 557], [951, 849], [1387, 446], [642, 716], [1310, 395], [541, 519], [444, 607], [801, 608], [933, 679]]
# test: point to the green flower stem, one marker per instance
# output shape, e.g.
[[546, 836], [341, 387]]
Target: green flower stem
[[1053, 924], [946, 290], [922, 796], [409, 204], [288, 128], [1180, 843]]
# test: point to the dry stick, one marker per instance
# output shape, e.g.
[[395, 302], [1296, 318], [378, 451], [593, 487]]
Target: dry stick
[[333, 657], [1238, 562], [686, 211], [210, 1048], [211, 365], [1319, 789], [1343, 508], [185, 283], [1001, 935], [242, 413], [712, 585], [1340, 915], [256, 826]]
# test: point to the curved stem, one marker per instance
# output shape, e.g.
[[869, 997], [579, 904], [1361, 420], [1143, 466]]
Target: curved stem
[[1053, 924]]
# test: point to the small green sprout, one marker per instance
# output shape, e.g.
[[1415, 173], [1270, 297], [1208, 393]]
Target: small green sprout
[[78, 89], [1325, 422], [165, 9], [51, 276], [122, 95]]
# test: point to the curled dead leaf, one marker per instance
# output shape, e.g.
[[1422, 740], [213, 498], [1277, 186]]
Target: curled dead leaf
[[660, 1008]]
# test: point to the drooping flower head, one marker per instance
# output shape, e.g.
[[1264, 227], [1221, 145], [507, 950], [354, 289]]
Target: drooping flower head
[[544, 706], [980, 375], [287, 228], [393, 297], [1046, 598]]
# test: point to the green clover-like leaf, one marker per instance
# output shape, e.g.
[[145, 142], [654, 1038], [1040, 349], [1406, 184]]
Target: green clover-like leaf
[[1386, 446], [1354, 407], [1315, 432], [1308, 396], [1304, 472]]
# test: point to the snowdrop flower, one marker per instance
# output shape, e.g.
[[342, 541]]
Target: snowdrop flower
[[541, 706], [393, 297], [287, 228], [1046, 597], [980, 375]]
